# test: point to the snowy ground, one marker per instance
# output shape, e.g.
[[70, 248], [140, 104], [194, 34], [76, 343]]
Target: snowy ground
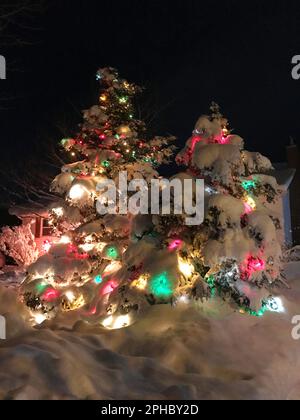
[[173, 353]]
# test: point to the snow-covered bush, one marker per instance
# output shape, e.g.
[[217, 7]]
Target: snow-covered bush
[[19, 244]]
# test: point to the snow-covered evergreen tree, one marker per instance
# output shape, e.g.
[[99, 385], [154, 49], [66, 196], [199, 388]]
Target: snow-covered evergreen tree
[[234, 254], [236, 250], [79, 265]]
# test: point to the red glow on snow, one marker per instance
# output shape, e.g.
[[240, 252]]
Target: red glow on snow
[[248, 208], [252, 265], [72, 251], [93, 311], [50, 295], [175, 244], [195, 140], [223, 140], [109, 287]]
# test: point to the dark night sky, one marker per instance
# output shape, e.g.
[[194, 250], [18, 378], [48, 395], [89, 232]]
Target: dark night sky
[[188, 52]]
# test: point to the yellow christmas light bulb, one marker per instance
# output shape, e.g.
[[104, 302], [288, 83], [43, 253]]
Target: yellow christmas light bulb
[[185, 267], [58, 211], [124, 129], [103, 98], [141, 282]]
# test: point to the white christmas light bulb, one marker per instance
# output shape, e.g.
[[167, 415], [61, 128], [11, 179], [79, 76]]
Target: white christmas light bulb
[[76, 192]]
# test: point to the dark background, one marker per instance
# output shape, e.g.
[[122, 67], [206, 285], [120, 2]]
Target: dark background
[[186, 52]]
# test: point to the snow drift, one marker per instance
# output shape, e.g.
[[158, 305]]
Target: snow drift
[[182, 352]]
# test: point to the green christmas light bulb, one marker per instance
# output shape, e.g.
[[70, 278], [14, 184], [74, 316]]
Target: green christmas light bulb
[[161, 286], [248, 185], [211, 284], [123, 99], [112, 252], [105, 163], [41, 287]]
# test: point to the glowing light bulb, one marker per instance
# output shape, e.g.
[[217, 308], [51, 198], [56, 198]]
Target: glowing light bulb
[[183, 299], [47, 245], [248, 185], [141, 282], [123, 99], [71, 301], [114, 323], [275, 305], [112, 267], [105, 163], [161, 286], [175, 244], [249, 205], [109, 287], [58, 211], [185, 267], [251, 265], [41, 287], [103, 98], [70, 296], [98, 279], [107, 322], [87, 247], [225, 131], [76, 192], [50, 295], [39, 318], [124, 129], [121, 321], [112, 252], [65, 239]]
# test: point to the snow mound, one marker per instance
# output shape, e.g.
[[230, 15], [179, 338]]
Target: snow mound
[[184, 352]]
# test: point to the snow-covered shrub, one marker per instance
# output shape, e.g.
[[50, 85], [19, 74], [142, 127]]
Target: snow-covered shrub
[[18, 243]]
